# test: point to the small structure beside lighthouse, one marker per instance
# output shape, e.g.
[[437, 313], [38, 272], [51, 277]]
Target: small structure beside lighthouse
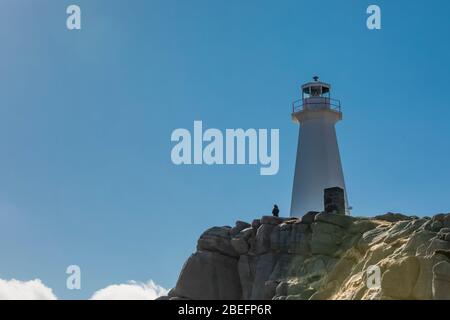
[[318, 164]]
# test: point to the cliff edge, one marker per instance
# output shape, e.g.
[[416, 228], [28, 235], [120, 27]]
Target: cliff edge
[[321, 256]]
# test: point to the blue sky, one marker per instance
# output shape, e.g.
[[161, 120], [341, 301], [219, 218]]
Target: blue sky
[[86, 118]]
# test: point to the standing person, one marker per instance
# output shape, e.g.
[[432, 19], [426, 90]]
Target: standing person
[[275, 210]]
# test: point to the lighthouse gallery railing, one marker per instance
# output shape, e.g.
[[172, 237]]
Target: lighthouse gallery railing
[[302, 104]]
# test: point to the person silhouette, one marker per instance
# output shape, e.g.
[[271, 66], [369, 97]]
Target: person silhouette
[[275, 210]]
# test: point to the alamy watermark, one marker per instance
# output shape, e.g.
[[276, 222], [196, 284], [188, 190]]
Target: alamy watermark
[[73, 21], [374, 20], [235, 146], [373, 280], [73, 281]]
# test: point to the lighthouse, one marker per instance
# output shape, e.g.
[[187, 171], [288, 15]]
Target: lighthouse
[[318, 164]]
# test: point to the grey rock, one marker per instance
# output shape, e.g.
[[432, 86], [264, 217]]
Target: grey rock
[[436, 226], [209, 276], [240, 225], [400, 279], [403, 229], [282, 289], [271, 220], [422, 250], [264, 267], [444, 234], [305, 294], [374, 236], [437, 244], [392, 217], [240, 245], [319, 258], [270, 289], [423, 289], [178, 299], [240, 242], [441, 281], [341, 270], [439, 217], [247, 270], [326, 238], [316, 266], [256, 223], [309, 217], [263, 238], [300, 239], [342, 221], [417, 239], [287, 265], [446, 221], [172, 293], [217, 239], [291, 238], [443, 253], [362, 226]]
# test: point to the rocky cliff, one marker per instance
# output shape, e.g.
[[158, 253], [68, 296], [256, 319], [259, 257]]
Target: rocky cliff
[[321, 256]]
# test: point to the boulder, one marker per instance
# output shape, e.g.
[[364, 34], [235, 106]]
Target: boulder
[[290, 238], [326, 238], [400, 278], [442, 253], [271, 220], [341, 270], [240, 242], [256, 223], [309, 217], [217, 239], [239, 226], [282, 289], [299, 239], [264, 266], [262, 245], [437, 244], [423, 289], [446, 221], [247, 270], [209, 276], [362, 226], [439, 221], [417, 239], [339, 220], [444, 234], [403, 229], [372, 237], [287, 266], [441, 281], [392, 217], [270, 288]]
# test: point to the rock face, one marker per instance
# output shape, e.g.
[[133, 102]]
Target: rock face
[[321, 256]]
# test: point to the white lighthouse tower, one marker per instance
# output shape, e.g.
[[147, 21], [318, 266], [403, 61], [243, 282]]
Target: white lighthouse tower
[[318, 165]]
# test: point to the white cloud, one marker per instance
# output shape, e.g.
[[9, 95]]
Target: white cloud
[[36, 290], [25, 290], [130, 291]]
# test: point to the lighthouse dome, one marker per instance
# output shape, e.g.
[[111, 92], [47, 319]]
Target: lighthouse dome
[[316, 88]]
